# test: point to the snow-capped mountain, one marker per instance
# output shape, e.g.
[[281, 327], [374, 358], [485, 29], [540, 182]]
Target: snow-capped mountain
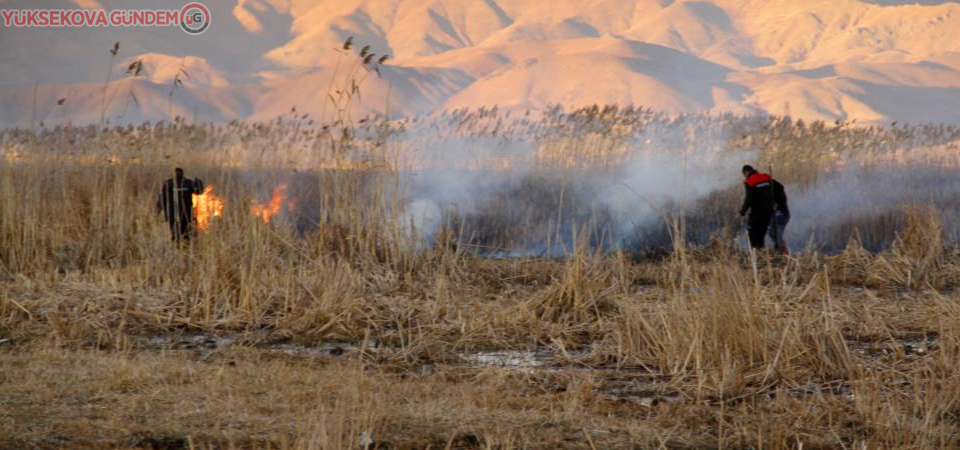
[[870, 60]]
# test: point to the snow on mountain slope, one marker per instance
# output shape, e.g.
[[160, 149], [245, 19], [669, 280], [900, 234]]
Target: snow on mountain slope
[[873, 60], [623, 71], [412, 92], [193, 71], [125, 101], [80, 54]]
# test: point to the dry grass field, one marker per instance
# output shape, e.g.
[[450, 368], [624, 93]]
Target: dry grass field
[[340, 323]]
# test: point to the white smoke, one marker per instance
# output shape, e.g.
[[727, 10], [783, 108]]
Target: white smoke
[[659, 167]]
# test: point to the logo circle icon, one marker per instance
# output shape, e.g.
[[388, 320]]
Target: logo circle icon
[[194, 18]]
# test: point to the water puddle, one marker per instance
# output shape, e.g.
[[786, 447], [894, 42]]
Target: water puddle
[[510, 359], [910, 347], [258, 340]]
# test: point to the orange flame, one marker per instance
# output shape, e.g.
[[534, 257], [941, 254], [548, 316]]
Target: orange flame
[[272, 207], [206, 206]]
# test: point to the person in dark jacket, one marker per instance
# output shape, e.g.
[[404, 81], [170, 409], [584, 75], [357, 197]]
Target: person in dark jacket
[[759, 202], [176, 203], [780, 218]]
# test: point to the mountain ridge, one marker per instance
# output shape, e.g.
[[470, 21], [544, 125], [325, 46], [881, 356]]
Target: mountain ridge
[[876, 61]]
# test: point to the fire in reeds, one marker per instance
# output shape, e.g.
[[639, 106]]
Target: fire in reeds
[[206, 206], [278, 201]]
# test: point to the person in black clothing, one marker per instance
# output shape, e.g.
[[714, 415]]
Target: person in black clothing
[[176, 203], [759, 202], [780, 218]]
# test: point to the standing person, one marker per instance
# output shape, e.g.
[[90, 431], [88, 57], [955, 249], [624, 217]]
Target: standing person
[[759, 202], [176, 203], [780, 219]]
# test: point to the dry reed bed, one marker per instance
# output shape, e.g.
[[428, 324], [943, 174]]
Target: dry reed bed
[[773, 370], [746, 352]]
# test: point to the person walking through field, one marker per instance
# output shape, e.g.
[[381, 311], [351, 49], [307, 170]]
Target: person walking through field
[[759, 203], [176, 203], [780, 218]]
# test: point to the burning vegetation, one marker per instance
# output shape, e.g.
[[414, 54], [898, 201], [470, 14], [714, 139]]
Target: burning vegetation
[[356, 335], [361, 336], [209, 206], [206, 206], [277, 203]]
